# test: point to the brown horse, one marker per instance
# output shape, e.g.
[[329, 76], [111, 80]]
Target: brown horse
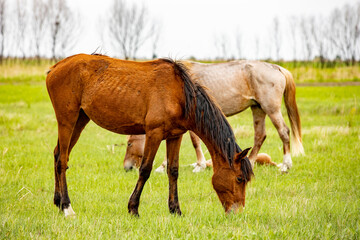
[[261, 86], [156, 98]]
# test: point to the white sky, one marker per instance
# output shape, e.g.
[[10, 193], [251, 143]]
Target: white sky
[[189, 27]]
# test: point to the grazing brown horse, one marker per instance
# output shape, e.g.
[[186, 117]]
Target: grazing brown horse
[[156, 98], [259, 85]]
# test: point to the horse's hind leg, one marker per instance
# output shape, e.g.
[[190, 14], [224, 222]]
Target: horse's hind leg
[[57, 196], [81, 122], [79, 126], [70, 125], [152, 142], [201, 161], [284, 133], [259, 129], [172, 151]]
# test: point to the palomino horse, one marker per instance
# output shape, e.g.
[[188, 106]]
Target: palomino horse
[[238, 85], [156, 98]]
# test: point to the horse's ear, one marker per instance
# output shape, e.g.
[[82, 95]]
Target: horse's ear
[[242, 154]]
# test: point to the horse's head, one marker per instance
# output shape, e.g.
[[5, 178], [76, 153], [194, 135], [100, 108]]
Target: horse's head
[[230, 182], [134, 151]]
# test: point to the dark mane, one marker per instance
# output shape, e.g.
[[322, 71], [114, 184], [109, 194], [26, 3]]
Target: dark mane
[[209, 119]]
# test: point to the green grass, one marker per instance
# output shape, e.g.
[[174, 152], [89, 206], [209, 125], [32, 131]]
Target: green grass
[[318, 199]]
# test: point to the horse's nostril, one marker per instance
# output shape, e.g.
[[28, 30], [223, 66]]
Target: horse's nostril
[[128, 168]]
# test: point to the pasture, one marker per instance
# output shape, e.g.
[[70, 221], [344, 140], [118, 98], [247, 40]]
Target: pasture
[[319, 198]]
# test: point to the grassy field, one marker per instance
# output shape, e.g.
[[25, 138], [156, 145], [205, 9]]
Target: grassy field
[[318, 199]]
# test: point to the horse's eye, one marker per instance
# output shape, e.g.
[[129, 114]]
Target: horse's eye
[[240, 179], [129, 144]]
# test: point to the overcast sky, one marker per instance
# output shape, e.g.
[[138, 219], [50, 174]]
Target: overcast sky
[[189, 27]]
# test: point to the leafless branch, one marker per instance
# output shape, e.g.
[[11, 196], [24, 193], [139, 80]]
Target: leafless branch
[[130, 26]]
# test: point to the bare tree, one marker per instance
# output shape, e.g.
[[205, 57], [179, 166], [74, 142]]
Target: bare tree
[[156, 39], [38, 25], [238, 43], [257, 47], [277, 37], [130, 26], [293, 24], [305, 34], [319, 35], [222, 45], [345, 32], [21, 26], [3, 6], [63, 25]]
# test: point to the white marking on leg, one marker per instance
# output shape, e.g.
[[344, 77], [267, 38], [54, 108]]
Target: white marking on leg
[[200, 166], [161, 169], [69, 212], [287, 163]]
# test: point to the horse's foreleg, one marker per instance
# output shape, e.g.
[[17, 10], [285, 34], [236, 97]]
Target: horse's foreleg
[[172, 150], [201, 161], [259, 130], [152, 142], [284, 133]]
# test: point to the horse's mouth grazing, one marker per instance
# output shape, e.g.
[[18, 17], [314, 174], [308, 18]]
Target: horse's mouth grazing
[[234, 208]]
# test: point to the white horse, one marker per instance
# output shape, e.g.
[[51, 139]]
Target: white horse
[[238, 85]]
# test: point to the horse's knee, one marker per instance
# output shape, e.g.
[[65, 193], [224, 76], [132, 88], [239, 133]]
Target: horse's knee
[[174, 172], [144, 172]]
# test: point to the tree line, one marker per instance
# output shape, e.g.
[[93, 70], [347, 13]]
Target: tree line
[[325, 39], [50, 28]]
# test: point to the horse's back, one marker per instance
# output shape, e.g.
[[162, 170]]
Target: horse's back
[[237, 85]]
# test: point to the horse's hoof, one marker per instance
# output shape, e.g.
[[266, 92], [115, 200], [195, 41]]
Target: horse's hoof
[[198, 169], [69, 212], [283, 168], [193, 164], [160, 169], [176, 213], [134, 213]]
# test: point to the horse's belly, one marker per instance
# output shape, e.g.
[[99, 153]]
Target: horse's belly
[[233, 104], [117, 124], [118, 116]]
